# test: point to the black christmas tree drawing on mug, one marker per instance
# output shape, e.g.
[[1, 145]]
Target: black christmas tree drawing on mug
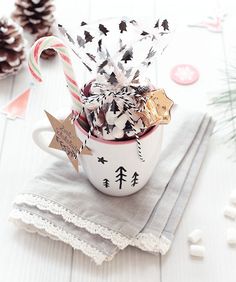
[[134, 180], [121, 177], [106, 183]]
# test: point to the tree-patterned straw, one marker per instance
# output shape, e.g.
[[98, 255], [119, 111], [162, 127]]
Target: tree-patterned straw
[[103, 98], [132, 122], [52, 42], [128, 105]]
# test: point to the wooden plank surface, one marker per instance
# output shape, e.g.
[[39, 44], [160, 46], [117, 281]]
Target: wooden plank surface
[[206, 51], [29, 257]]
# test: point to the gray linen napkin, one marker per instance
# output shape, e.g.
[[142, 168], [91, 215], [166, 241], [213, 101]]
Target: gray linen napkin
[[158, 233], [63, 205]]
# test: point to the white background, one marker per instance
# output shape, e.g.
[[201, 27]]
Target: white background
[[29, 257]]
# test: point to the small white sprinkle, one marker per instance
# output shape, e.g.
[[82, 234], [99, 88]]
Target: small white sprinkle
[[232, 197], [230, 212], [197, 251], [231, 236], [195, 236]]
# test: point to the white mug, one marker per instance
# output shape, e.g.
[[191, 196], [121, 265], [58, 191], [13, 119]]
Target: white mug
[[114, 167]]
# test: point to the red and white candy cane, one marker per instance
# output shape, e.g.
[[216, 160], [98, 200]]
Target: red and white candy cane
[[52, 42]]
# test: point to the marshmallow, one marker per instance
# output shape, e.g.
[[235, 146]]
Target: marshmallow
[[230, 212], [197, 250], [121, 121], [195, 236], [232, 197], [110, 117], [231, 236], [106, 135], [117, 133]]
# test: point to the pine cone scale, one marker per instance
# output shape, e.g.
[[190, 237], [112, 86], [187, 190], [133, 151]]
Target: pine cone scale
[[6, 68], [36, 16], [3, 55], [21, 3], [11, 47], [28, 12]]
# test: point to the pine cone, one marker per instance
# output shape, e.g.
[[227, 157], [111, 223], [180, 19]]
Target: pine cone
[[36, 16], [11, 47], [49, 53]]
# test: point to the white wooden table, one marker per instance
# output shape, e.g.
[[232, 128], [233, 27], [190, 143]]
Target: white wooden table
[[28, 257]]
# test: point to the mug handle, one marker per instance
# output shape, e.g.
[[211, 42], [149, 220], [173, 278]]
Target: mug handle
[[40, 141]]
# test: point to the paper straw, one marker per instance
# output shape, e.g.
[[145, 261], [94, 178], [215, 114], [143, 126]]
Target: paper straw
[[52, 42]]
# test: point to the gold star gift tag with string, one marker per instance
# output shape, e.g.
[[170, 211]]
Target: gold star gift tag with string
[[65, 139], [157, 108]]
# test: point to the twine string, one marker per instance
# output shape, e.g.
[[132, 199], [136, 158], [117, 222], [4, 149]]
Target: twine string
[[129, 105]]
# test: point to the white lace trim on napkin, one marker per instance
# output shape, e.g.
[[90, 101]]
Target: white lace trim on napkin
[[144, 241], [46, 228], [41, 203], [151, 243]]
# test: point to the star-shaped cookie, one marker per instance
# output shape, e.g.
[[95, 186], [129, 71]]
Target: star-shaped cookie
[[163, 104], [157, 108]]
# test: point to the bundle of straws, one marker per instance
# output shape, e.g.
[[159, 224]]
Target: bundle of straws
[[119, 102]]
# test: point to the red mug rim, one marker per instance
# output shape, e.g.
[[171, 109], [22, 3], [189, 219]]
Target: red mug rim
[[154, 128]]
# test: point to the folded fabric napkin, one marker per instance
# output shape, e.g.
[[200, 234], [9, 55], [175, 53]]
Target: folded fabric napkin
[[63, 205]]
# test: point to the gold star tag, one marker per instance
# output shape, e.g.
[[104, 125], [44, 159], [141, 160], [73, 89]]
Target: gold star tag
[[65, 139], [157, 108]]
